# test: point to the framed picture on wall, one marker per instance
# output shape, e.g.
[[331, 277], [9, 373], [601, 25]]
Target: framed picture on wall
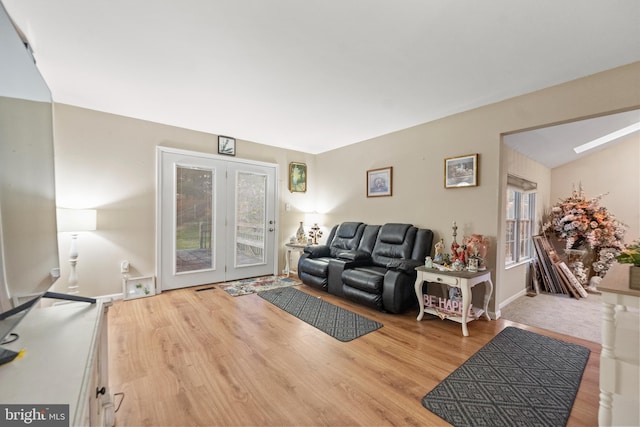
[[379, 182], [226, 145], [461, 171], [297, 177]]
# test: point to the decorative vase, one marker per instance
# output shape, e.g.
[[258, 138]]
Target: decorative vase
[[477, 247], [301, 235], [634, 277]]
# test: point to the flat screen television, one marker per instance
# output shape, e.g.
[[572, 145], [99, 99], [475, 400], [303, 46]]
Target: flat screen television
[[29, 262]]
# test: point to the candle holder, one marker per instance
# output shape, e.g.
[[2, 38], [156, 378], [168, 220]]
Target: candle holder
[[315, 233]]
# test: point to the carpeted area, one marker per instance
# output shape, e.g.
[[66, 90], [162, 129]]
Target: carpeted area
[[341, 324], [518, 378], [256, 284], [559, 313]]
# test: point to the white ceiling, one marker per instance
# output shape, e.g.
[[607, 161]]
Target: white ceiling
[[316, 75], [553, 146]]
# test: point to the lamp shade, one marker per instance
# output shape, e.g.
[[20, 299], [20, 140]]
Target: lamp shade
[[74, 220], [313, 218]]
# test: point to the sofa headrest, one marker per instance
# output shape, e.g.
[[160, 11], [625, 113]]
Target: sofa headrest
[[348, 230], [393, 233]]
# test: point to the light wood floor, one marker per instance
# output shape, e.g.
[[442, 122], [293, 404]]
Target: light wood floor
[[186, 358]]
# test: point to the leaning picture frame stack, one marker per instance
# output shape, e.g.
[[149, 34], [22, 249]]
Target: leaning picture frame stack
[[461, 171]]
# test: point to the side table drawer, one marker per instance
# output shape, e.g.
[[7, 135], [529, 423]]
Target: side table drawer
[[437, 278]]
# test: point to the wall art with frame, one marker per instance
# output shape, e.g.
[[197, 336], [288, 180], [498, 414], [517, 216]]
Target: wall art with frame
[[461, 171], [380, 182], [297, 177], [226, 145]]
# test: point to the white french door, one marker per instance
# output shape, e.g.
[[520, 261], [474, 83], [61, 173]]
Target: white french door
[[216, 219]]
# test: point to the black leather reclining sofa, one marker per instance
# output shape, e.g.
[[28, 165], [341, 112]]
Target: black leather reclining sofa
[[372, 265]]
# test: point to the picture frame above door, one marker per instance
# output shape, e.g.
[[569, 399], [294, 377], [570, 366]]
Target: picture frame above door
[[226, 145]]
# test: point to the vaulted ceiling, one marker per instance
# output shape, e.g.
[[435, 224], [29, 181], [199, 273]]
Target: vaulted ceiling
[[316, 75]]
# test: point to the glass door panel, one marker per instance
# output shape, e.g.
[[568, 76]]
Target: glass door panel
[[250, 219], [194, 219]]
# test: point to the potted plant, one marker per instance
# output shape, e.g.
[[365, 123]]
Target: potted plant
[[631, 255]]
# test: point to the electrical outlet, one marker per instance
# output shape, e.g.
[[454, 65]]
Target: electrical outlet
[[124, 267]]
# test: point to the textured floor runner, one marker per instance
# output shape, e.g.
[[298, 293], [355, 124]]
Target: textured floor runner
[[519, 378], [256, 284], [341, 324]]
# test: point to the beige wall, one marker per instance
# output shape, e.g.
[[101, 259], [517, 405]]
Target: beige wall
[[109, 163], [613, 172], [416, 155]]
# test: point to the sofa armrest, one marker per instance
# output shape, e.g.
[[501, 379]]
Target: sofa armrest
[[405, 265], [355, 255], [317, 251]]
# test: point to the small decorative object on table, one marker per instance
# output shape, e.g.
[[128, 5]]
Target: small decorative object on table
[[472, 265], [301, 236], [477, 247], [454, 244], [439, 256], [315, 233], [631, 255], [428, 262]]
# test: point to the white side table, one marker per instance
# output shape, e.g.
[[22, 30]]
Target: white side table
[[620, 359], [465, 280], [290, 248]]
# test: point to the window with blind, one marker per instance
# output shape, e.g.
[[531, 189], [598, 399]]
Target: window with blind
[[520, 218]]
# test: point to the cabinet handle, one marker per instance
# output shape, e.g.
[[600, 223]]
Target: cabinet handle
[[100, 391]]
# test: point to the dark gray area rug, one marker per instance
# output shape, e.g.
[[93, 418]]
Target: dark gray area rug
[[341, 324], [519, 378]]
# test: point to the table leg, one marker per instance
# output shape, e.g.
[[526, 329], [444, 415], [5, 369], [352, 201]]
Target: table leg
[[487, 297], [287, 263], [466, 303], [418, 288], [607, 379]]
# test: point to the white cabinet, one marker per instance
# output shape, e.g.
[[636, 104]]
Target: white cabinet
[[65, 362], [620, 357]]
